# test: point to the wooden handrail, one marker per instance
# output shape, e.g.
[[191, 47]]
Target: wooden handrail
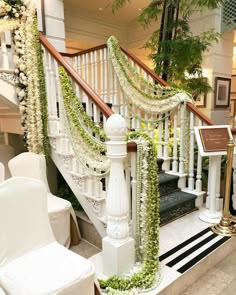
[[200, 114], [76, 77], [84, 51]]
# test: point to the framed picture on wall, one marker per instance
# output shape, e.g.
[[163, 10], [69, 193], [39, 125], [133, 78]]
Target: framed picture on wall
[[222, 92], [200, 101]]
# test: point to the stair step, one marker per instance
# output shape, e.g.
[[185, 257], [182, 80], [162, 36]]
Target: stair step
[[167, 183], [176, 204]]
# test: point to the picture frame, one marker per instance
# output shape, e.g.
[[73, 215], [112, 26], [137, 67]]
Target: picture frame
[[200, 101], [222, 92]]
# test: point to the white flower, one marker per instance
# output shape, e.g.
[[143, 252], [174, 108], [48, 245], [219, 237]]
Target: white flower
[[21, 93]]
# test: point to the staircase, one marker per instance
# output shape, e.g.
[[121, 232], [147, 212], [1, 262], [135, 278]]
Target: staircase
[[97, 96], [100, 92], [174, 203]]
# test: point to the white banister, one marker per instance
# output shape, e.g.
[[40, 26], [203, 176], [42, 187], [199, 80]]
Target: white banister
[[118, 245], [175, 147], [191, 155], [181, 151]]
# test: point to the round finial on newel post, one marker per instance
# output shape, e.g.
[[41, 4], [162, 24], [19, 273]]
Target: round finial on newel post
[[116, 127]]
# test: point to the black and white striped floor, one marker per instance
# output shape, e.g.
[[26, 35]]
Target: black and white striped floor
[[188, 253]]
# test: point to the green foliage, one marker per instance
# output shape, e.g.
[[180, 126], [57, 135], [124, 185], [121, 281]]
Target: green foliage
[[176, 53], [64, 192], [42, 89]]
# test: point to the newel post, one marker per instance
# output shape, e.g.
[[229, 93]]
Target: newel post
[[118, 246]]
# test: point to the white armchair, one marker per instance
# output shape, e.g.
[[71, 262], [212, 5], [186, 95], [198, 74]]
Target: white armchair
[[61, 214], [31, 261]]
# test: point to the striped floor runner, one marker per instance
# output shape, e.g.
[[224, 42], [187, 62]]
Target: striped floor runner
[[190, 252]]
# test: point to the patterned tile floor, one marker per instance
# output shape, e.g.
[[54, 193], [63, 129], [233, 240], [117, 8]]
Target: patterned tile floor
[[219, 280]]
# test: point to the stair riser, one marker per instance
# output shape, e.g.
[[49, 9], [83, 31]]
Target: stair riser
[[169, 187], [176, 212]]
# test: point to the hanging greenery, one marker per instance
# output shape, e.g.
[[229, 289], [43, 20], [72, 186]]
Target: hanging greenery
[[147, 226], [148, 96], [30, 89], [88, 148]]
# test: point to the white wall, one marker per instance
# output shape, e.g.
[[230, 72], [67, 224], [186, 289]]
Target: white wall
[[54, 22], [217, 61], [89, 29]]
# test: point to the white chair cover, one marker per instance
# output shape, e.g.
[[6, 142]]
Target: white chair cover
[[60, 211], [31, 261], [7, 152], [2, 175]]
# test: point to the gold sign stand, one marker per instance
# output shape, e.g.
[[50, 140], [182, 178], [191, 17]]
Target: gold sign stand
[[225, 228]]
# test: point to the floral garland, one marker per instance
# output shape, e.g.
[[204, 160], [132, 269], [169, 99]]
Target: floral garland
[[147, 226], [20, 16], [145, 95], [89, 150]]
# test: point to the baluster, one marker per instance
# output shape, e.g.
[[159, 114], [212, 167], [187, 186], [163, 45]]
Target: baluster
[[116, 106], [83, 67], [52, 96], [175, 147], [133, 190], [95, 78], [110, 93], [181, 151], [92, 74], [4, 51], [105, 72], [79, 66], [166, 138], [87, 76], [191, 154], [102, 83], [159, 142]]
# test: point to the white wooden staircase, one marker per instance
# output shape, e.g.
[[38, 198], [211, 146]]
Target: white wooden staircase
[[96, 84]]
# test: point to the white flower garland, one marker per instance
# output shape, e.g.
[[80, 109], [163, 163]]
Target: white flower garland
[[8, 24], [87, 148], [21, 18], [9, 78], [165, 99]]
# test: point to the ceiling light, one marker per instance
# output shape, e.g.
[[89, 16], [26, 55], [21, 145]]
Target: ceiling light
[[100, 8]]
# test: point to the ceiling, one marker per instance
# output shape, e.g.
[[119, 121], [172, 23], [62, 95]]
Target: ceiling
[[102, 9]]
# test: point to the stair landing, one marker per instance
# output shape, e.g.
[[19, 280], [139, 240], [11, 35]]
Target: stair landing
[[188, 249]]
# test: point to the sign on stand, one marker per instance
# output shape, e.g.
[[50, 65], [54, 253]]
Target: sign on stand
[[212, 142]]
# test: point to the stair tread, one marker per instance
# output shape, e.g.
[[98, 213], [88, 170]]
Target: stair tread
[[175, 198], [164, 178]]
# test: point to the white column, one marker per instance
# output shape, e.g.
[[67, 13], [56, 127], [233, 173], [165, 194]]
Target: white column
[[118, 246], [210, 214]]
